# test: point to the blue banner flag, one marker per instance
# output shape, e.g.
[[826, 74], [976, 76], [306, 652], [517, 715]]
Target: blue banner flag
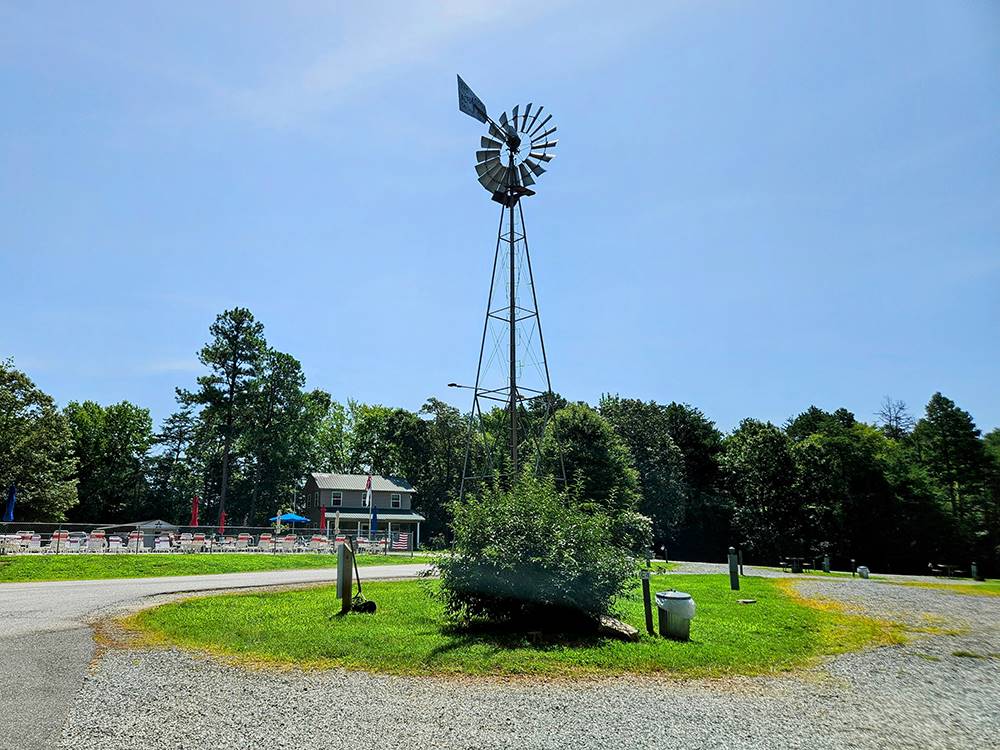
[[373, 521], [8, 514]]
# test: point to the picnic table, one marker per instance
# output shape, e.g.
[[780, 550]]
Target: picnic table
[[944, 569]]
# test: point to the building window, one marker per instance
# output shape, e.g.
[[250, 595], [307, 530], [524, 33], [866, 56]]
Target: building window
[[335, 499], [394, 500]]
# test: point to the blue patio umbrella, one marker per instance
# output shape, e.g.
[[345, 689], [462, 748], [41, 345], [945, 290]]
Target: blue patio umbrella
[[290, 518], [373, 521], [8, 514]]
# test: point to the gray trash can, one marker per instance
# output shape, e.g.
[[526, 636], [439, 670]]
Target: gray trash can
[[863, 571], [674, 610]]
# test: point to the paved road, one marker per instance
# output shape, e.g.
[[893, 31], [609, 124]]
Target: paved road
[[47, 645]]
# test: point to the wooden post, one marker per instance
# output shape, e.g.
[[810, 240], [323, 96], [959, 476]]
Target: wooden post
[[734, 573], [345, 577], [646, 604]]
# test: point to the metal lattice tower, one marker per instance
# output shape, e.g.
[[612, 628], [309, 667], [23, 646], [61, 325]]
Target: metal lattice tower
[[512, 395]]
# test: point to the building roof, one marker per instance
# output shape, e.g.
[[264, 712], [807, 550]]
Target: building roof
[[153, 524], [358, 481], [395, 515]]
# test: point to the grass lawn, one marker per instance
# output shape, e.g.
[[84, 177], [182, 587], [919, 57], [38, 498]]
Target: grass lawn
[[406, 635], [81, 567]]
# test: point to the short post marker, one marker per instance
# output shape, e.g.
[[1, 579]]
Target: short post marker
[[647, 605], [345, 574], [734, 573]]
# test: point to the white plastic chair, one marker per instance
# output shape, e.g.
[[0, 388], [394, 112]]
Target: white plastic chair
[[162, 544], [10, 544], [318, 543], [266, 543], [199, 543], [244, 542], [58, 542], [289, 542], [96, 542], [115, 544], [135, 542]]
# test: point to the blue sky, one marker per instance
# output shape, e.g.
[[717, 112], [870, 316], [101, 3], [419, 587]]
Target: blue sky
[[755, 206]]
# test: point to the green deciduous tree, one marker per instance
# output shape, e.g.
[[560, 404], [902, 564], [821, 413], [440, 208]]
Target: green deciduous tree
[[599, 469], [758, 474], [278, 439], [644, 427], [111, 444], [704, 533], [173, 470], [331, 441], [440, 478], [596, 460], [36, 449]]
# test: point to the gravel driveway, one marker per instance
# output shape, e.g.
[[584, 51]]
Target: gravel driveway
[[46, 643], [921, 695]]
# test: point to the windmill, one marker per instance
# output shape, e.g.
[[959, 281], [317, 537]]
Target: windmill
[[512, 377]]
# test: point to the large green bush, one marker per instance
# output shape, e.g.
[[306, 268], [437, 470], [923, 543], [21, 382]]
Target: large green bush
[[530, 556]]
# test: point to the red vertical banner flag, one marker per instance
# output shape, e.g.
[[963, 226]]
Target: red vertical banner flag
[[194, 511], [222, 522], [322, 518]]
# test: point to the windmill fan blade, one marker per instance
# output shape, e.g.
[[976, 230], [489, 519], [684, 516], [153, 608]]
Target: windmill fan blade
[[543, 146], [513, 116], [489, 142], [526, 177], [486, 182], [524, 121], [546, 134], [486, 166], [503, 119], [513, 177], [538, 169], [541, 125], [497, 133], [541, 157], [492, 153], [538, 111]]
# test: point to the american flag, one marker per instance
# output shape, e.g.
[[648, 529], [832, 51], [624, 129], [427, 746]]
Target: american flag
[[402, 541]]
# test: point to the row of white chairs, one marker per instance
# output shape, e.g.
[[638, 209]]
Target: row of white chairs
[[100, 542]]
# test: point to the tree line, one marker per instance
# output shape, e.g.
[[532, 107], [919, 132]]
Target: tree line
[[897, 491]]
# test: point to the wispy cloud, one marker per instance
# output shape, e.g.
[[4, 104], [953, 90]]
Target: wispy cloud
[[379, 43]]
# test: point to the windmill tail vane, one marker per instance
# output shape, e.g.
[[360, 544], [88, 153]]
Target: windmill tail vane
[[512, 377]]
